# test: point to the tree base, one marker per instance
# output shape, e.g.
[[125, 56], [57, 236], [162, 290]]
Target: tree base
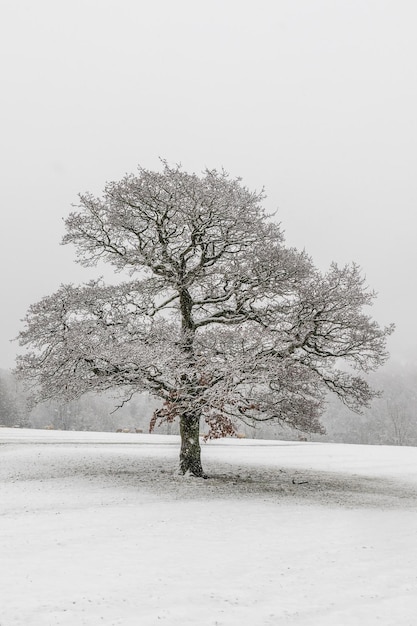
[[194, 474]]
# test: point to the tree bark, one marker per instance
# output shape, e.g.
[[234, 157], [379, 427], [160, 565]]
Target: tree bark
[[190, 454]]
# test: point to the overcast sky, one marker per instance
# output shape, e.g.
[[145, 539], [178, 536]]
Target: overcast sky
[[316, 100]]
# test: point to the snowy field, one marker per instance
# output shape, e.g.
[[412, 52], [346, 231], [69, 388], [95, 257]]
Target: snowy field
[[99, 529]]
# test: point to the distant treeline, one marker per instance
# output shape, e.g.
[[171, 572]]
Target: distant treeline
[[391, 420], [90, 412]]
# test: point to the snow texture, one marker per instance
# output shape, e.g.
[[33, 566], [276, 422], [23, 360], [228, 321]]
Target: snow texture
[[100, 529]]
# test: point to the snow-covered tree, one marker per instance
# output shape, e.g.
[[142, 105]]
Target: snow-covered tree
[[8, 409], [218, 318], [13, 409]]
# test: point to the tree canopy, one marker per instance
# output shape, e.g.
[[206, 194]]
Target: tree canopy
[[216, 315]]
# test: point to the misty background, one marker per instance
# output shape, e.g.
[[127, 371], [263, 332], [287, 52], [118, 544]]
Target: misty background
[[314, 100]]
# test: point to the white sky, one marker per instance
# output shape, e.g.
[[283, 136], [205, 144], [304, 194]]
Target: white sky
[[314, 99]]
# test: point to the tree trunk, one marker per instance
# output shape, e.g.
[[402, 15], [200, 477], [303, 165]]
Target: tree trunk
[[190, 454]]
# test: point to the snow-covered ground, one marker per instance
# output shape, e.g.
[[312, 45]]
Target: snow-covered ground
[[99, 529]]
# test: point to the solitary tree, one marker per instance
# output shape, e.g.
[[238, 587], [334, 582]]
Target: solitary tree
[[219, 318]]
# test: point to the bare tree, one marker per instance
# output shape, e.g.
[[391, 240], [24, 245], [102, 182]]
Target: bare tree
[[13, 405], [401, 422], [218, 319]]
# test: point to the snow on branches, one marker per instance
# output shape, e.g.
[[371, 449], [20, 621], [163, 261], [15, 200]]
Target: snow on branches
[[219, 318]]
